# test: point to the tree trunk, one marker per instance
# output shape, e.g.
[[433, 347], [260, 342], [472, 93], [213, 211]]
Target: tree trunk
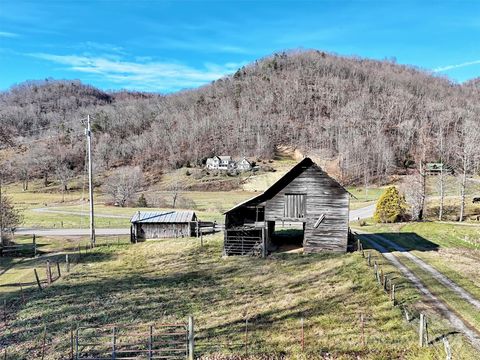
[[442, 194], [424, 191], [462, 194]]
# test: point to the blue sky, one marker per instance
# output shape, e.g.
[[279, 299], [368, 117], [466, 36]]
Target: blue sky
[[167, 46]]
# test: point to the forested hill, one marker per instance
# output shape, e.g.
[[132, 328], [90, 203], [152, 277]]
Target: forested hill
[[366, 116]]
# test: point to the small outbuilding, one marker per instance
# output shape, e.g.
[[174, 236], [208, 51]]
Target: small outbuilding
[[305, 197], [163, 224]]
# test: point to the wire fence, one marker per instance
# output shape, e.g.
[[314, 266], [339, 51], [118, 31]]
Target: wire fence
[[442, 340], [251, 336]]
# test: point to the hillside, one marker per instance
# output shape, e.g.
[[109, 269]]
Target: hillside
[[366, 118]]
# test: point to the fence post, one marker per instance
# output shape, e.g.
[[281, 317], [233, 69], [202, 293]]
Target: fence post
[[358, 244], [362, 329], [448, 351], [191, 336], [302, 335], [392, 294], [49, 273], [114, 341], [150, 341], [58, 270], [67, 263], [421, 330], [34, 246], [38, 279], [23, 295], [246, 337], [264, 244], [76, 344], [44, 340], [71, 344]]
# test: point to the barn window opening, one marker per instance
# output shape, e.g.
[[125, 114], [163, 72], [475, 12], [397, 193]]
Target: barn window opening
[[295, 207]]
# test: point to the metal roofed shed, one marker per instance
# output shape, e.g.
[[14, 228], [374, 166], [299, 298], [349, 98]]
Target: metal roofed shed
[[163, 224]]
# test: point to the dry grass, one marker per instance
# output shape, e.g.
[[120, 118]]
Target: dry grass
[[171, 279]]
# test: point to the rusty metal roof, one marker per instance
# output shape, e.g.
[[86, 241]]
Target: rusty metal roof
[[182, 216]]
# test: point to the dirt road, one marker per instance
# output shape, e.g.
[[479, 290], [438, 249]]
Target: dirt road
[[434, 301]]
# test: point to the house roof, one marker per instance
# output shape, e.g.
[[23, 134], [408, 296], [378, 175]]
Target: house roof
[[282, 182], [182, 216], [225, 158], [435, 166]]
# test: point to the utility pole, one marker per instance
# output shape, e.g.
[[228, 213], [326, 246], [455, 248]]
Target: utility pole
[[88, 132], [1, 209]]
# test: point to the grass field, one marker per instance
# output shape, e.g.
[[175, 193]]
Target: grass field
[[209, 205], [17, 274], [172, 279], [452, 249]]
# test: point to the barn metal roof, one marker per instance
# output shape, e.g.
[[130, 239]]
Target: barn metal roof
[[183, 216]]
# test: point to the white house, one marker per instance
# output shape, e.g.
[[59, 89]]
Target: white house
[[244, 165], [220, 163]]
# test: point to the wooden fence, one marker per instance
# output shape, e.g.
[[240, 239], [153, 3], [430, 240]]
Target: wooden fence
[[14, 249]]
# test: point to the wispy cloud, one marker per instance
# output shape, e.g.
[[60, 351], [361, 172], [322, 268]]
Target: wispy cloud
[[148, 75], [199, 45], [95, 46], [456, 66], [8, 34]]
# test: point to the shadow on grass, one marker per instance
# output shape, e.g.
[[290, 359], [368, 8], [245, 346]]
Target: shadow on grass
[[407, 241]]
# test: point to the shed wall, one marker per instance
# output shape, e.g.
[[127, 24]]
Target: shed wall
[[165, 230]]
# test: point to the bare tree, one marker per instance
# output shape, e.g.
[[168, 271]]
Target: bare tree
[[123, 185], [443, 153], [64, 174], [412, 188], [467, 154], [175, 188]]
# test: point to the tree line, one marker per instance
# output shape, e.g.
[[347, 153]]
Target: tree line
[[369, 118]]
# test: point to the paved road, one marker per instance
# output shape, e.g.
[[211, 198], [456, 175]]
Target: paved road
[[362, 213], [438, 304], [71, 232]]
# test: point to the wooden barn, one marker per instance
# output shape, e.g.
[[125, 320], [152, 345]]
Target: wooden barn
[[163, 224], [305, 196]]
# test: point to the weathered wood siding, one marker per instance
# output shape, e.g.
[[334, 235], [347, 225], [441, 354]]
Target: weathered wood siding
[[322, 196], [165, 230]]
